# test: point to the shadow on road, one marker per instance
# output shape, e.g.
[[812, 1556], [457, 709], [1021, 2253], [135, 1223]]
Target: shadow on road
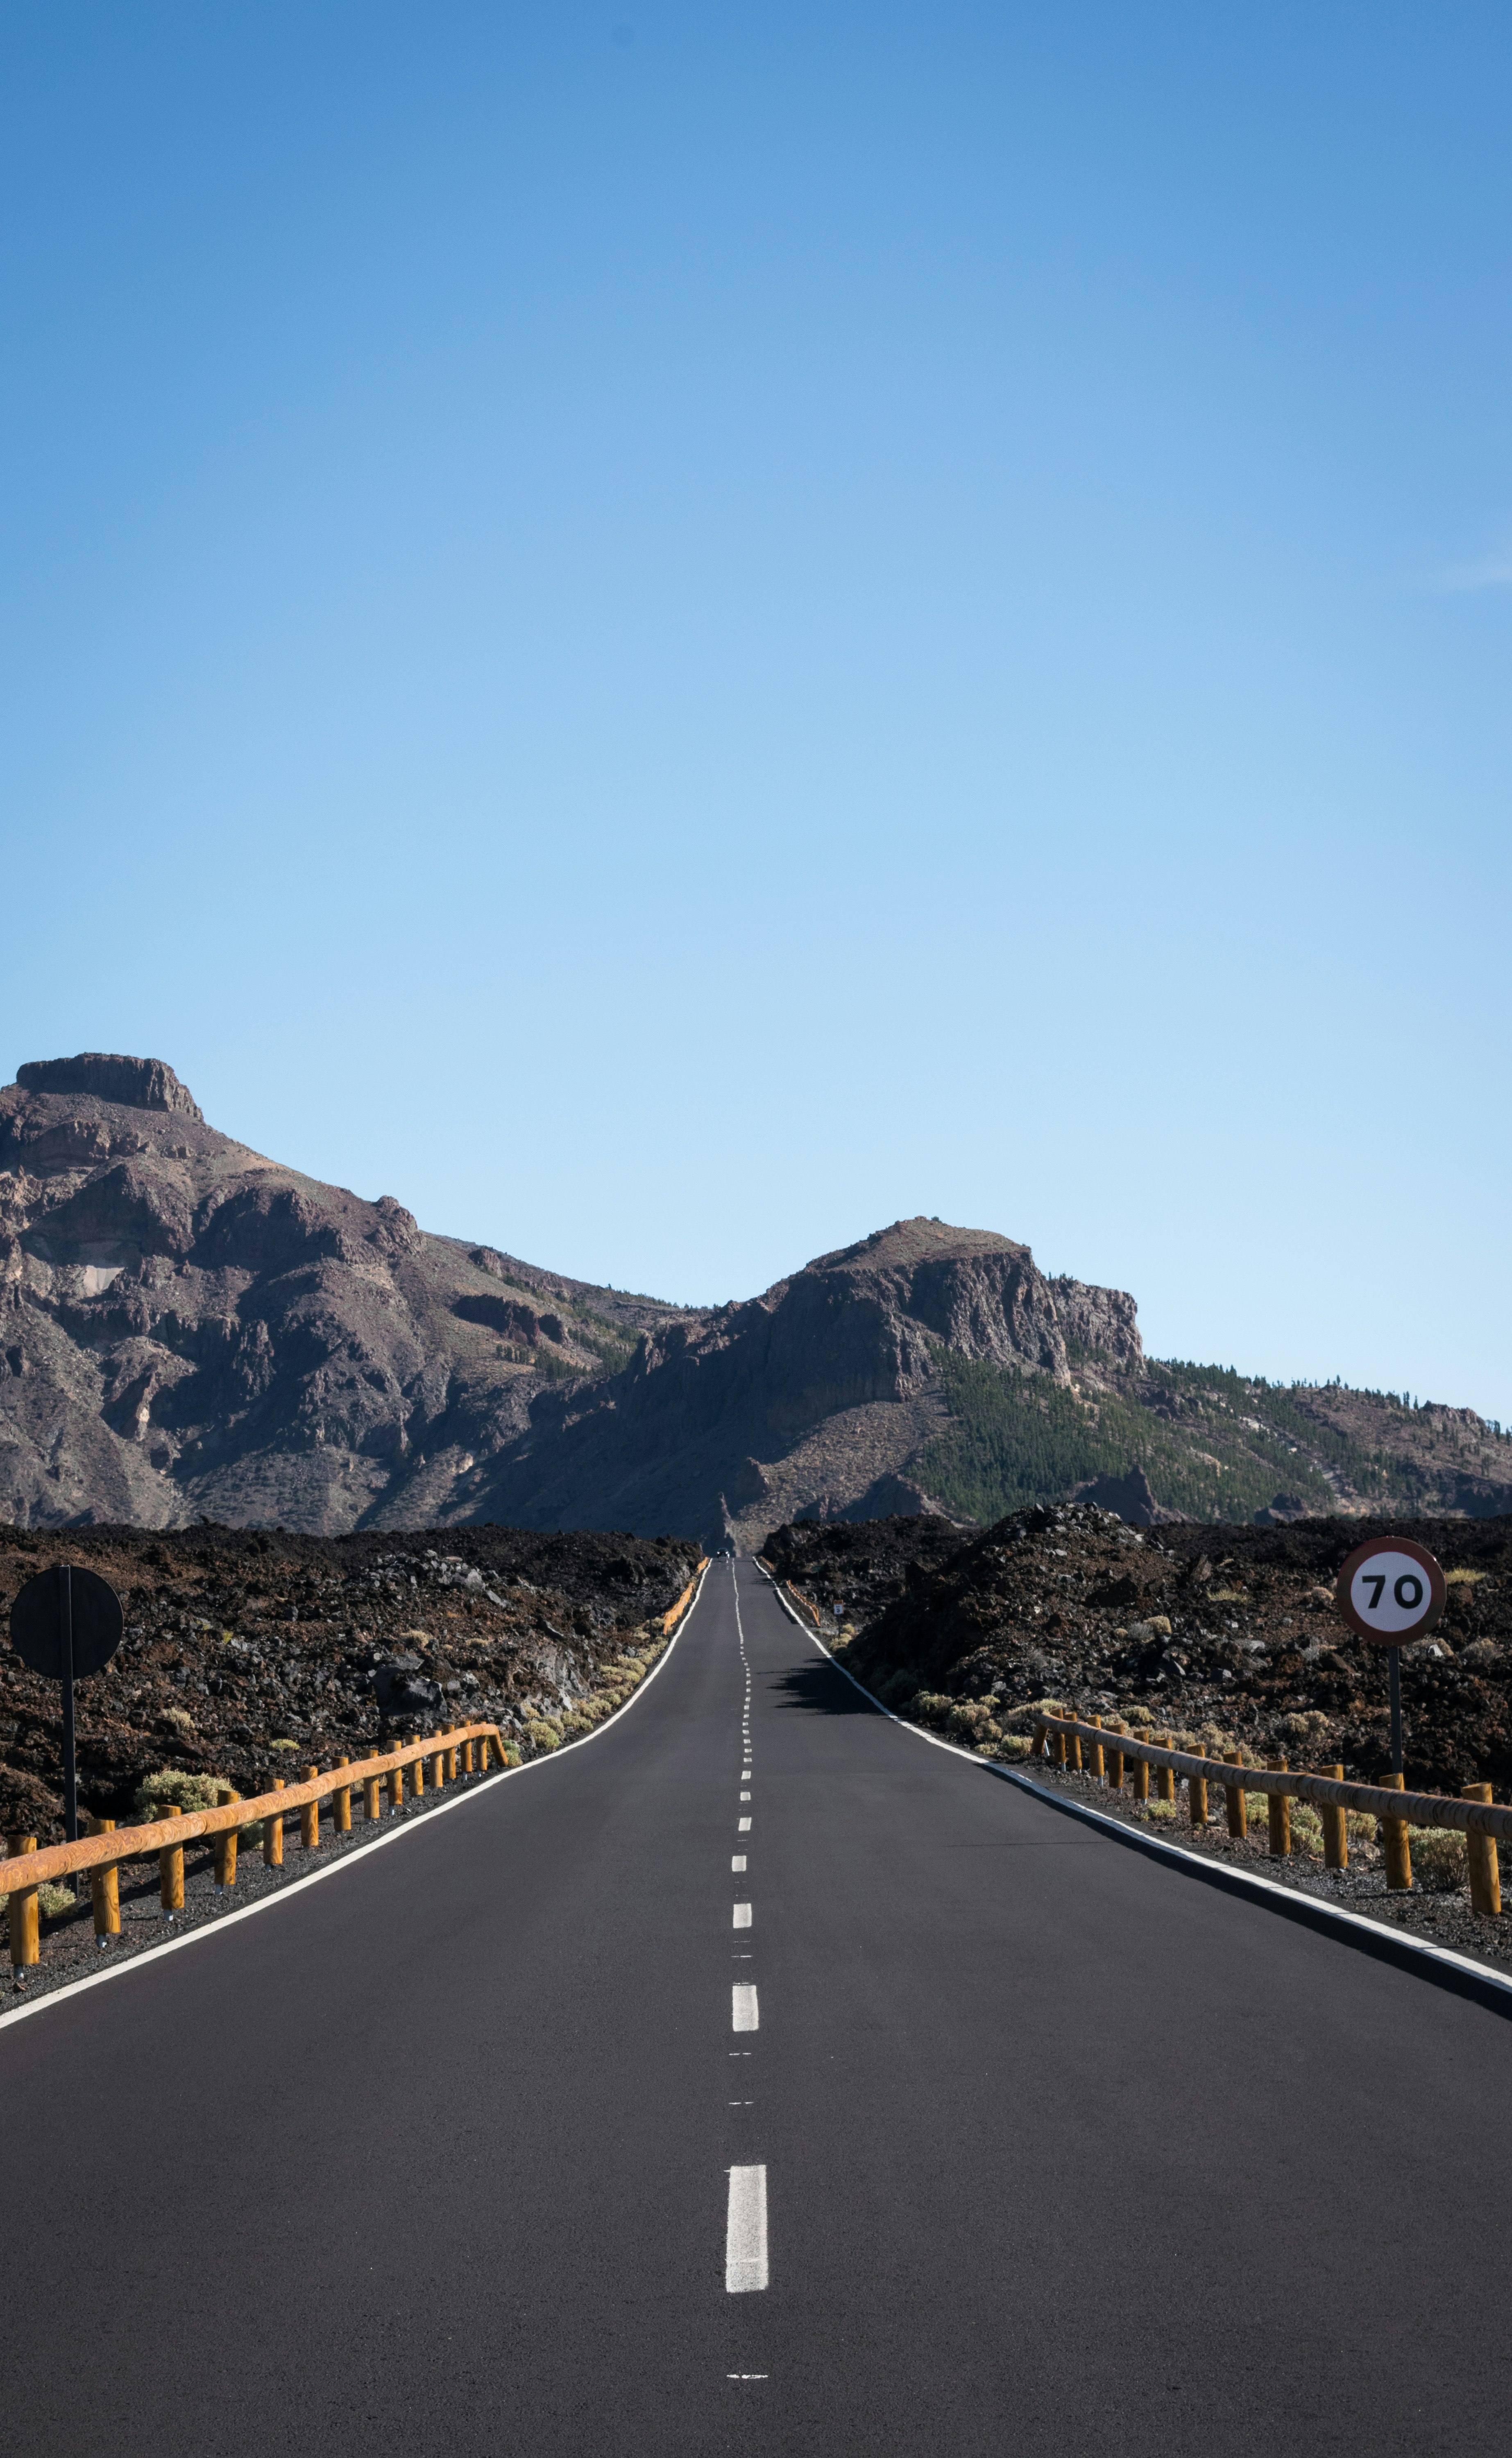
[[822, 1690]]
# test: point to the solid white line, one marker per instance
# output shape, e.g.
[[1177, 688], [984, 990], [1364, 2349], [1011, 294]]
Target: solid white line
[[742, 1827], [742, 1916], [738, 1863], [144, 1962], [745, 2233], [744, 2015], [1248, 1881]]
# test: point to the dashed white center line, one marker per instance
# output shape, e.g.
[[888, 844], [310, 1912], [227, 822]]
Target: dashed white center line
[[742, 1827], [744, 2015], [745, 2233], [738, 1861], [742, 1916]]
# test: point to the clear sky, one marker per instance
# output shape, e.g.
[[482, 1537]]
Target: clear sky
[[671, 631]]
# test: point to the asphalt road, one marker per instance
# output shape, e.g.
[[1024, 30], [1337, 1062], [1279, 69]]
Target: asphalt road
[[1060, 2151]]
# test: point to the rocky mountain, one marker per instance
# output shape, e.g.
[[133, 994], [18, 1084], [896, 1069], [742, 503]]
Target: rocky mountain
[[190, 1330]]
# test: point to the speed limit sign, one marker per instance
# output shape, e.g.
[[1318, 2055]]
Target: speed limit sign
[[1390, 1590]]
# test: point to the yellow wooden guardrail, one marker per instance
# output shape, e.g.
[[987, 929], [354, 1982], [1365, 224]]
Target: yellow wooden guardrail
[[1107, 1747], [464, 1749], [106, 1847]]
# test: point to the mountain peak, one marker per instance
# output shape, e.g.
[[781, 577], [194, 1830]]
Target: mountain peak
[[104, 1075]]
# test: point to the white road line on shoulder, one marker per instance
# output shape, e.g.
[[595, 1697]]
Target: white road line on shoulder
[[742, 1827], [742, 1916], [744, 2013], [745, 2233], [148, 1958], [738, 1860]]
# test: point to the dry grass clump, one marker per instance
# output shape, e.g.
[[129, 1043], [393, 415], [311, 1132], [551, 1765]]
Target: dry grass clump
[[974, 1718], [172, 1788], [1439, 1860], [544, 1735], [577, 1723], [1310, 1726], [1462, 1580]]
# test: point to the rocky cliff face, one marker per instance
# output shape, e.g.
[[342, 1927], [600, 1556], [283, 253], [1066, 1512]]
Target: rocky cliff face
[[188, 1329], [816, 1397]]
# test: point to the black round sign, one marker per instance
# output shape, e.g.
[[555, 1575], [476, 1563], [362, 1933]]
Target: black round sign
[[36, 1622]]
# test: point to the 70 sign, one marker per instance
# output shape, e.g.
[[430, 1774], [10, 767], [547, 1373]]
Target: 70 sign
[[1390, 1590]]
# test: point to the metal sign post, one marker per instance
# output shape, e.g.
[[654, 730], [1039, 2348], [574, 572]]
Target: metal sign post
[[1390, 1591], [66, 1624]]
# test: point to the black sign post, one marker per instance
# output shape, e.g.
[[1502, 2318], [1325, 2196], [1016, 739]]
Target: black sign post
[[66, 1624]]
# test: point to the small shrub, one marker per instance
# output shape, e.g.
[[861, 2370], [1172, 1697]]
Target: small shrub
[[1139, 1720], [1310, 1726], [1440, 1861], [544, 1736], [577, 1723], [931, 1706], [1461, 1579], [1012, 1745], [55, 1898], [172, 1788], [968, 1716], [179, 1717], [283, 1746], [1164, 1810]]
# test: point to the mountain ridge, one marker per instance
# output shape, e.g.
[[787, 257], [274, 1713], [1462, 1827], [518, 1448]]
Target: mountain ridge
[[190, 1329]]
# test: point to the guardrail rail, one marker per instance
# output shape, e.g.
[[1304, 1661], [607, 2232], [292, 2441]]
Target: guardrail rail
[[1109, 1750]]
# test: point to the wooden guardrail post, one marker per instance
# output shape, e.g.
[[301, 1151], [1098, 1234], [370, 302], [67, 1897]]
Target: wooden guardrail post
[[1073, 1753], [1114, 1761], [1139, 1778], [342, 1804], [104, 1888], [372, 1788], [1037, 1745], [1486, 1876], [396, 1786], [1058, 1747], [1165, 1776], [224, 1846], [273, 1835], [1236, 1807], [466, 1756], [310, 1815], [1278, 1814], [22, 1915], [416, 1778], [170, 1875], [1197, 1801], [1394, 1836], [453, 1759], [1094, 1755], [1336, 1832]]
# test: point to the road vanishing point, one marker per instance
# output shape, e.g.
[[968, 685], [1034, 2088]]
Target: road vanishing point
[[755, 2076]]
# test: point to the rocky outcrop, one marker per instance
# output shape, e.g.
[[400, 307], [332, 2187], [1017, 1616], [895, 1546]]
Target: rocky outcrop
[[132, 1083], [813, 1400], [188, 1329]]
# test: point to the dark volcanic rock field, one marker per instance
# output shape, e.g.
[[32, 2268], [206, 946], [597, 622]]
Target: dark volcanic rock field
[[1221, 1634], [239, 1641]]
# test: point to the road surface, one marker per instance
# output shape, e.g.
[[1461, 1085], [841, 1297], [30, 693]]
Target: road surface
[[489, 2143]]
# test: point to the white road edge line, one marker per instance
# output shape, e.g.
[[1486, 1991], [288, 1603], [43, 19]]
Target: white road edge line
[[1242, 1880], [745, 2233], [352, 1859]]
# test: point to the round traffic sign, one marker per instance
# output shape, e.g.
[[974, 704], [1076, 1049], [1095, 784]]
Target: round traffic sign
[[36, 1622], [1391, 1589]]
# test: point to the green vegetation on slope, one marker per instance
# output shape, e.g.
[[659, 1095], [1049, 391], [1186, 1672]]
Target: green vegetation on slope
[[1015, 1437]]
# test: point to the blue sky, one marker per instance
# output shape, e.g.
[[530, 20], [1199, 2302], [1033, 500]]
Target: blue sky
[[673, 630]]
